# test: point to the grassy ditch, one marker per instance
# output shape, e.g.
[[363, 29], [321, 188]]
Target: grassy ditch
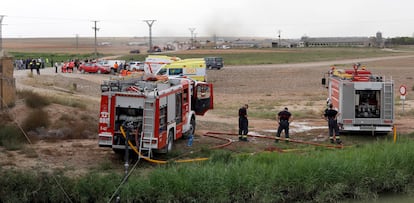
[[362, 172]]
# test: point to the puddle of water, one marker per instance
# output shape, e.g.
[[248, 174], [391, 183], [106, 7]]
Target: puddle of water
[[299, 127]]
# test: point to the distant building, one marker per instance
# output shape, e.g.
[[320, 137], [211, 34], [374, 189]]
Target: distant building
[[380, 42], [376, 41], [286, 43], [337, 42], [245, 44]]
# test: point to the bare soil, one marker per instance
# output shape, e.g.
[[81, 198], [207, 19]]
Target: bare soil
[[266, 88]]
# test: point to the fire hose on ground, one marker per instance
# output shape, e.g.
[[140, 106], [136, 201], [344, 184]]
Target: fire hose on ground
[[229, 141]]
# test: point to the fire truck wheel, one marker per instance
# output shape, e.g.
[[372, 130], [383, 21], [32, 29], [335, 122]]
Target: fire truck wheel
[[170, 141], [119, 152], [193, 125]]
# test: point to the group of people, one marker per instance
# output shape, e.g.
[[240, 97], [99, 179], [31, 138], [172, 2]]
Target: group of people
[[21, 64], [284, 118]]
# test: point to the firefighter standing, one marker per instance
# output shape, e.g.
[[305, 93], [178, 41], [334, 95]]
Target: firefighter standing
[[243, 123], [32, 65], [38, 65], [330, 115], [284, 118]]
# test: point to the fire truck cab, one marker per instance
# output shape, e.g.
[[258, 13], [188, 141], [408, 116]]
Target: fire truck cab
[[158, 111], [365, 101]]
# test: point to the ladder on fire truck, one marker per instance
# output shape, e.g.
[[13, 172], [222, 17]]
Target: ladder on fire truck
[[147, 128], [388, 101]]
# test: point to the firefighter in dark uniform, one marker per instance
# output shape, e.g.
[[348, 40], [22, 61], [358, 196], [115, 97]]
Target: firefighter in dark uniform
[[284, 118], [38, 65], [330, 115], [243, 123]]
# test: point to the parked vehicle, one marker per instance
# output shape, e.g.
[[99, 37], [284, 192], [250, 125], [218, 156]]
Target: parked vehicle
[[155, 112], [194, 68], [135, 51], [153, 63], [135, 66], [111, 64], [93, 68], [364, 100], [214, 62]]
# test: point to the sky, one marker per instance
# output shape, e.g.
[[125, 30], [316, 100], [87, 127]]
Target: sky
[[227, 18]]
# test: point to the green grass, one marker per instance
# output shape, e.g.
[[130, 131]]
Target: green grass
[[282, 56], [362, 172]]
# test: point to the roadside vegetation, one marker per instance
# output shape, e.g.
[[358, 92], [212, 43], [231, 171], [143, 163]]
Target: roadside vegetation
[[359, 172], [51, 56], [11, 138], [281, 56], [37, 117]]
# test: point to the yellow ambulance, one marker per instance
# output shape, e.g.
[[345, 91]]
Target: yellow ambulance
[[194, 68]]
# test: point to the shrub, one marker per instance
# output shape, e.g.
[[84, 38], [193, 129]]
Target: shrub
[[35, 119], [11, 138], [33, 100]]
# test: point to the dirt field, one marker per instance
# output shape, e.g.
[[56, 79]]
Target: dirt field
[[267, 89]]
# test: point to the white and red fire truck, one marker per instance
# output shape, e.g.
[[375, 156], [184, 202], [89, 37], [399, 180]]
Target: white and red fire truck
[[159, 111], [365, 101]]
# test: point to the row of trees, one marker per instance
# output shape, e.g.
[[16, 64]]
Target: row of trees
[[402, 41]]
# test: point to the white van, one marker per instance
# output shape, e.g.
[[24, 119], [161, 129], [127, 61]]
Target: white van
[[136, 66], [111, 64]]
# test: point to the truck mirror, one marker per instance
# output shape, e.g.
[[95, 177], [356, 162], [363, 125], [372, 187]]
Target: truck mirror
[[323, 81]]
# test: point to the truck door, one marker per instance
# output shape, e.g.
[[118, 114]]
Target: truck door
[[203, 98]]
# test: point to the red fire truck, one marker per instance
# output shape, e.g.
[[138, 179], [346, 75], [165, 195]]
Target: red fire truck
[[364, 100], [158, 112]]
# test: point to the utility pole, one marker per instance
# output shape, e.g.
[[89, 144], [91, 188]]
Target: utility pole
[[1, 37], [77, 41], [278, 44], [96, 29], [149, 23], [215, 41], [192, 40]]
